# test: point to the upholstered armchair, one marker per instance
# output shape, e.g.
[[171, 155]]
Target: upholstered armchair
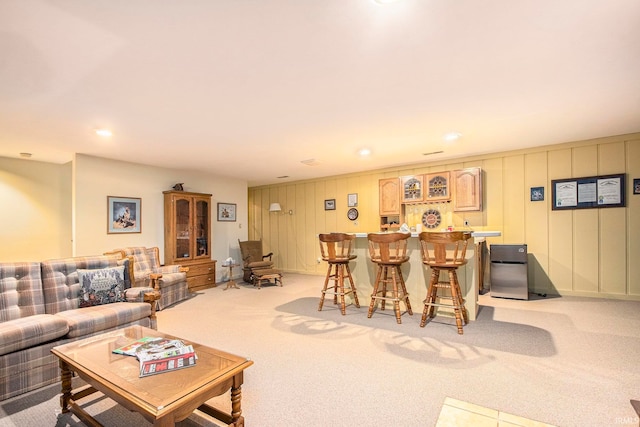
[[169, 280], [253, 258]]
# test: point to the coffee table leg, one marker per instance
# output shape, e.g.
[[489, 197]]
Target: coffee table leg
[[237, 420], [65, 374]]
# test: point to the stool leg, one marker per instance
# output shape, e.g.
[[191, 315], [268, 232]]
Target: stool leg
[[405, 293], [335, 283], [453, 281], [461, 301], [375, 291], [353, 286], [324, 289], [431, 297], [340, 274], [385, 280], [396, 299]]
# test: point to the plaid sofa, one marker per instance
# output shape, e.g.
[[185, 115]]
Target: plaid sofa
[[39, 310], [169, 280]]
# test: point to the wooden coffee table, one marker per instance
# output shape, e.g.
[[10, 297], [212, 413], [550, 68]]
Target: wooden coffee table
[[163, 399]]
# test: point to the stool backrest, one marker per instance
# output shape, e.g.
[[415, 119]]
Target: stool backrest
[[446, 249], [388, 247], [336, 246]]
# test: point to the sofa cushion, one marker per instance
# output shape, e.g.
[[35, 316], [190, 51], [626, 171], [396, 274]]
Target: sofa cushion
[[101, 286], [20, 290], [30, 331], [260, 264], [60, 280], [89, 320]]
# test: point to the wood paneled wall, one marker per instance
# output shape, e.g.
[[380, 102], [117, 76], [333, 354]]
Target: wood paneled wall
[[591, 252]]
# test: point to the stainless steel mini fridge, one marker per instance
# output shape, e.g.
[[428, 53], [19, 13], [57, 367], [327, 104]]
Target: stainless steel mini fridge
[[509, 271]]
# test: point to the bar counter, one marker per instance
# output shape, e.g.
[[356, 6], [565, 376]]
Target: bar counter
[[416, 275]]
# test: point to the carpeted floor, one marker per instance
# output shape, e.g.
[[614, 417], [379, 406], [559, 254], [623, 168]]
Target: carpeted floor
[[564, 361]]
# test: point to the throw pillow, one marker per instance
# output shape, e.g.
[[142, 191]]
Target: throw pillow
[[127, 278], [102, 286]]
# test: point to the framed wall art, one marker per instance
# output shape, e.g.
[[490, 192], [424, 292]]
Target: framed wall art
[[124, 215], [537, 194], [330, 205], [226, 211], [603, 191]]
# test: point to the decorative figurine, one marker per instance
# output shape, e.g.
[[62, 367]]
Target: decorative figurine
[[178, 186]]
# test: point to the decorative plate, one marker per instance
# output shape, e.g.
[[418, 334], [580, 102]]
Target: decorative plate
[[352, 214], [431, 218]]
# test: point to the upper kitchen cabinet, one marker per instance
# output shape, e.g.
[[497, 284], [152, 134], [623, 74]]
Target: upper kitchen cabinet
[[389, 190], [467, 187]]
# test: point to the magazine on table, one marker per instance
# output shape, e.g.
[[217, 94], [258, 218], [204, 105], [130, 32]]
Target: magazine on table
[[157, 355]]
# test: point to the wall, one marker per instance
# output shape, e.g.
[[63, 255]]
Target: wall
[[71, 201], [36, 210], [589, 252]]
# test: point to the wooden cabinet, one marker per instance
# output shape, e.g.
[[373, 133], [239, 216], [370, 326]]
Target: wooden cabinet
[[389, 190], [412, 189], [202, 275], [187, 235], [467, 187]]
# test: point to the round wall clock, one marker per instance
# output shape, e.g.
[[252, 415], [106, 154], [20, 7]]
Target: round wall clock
[[431, 218], [352, 214]]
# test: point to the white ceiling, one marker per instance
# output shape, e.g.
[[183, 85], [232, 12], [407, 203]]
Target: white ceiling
[[250, 88]]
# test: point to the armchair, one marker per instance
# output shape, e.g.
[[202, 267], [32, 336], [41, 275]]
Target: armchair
[[253, 258], [169, 280]]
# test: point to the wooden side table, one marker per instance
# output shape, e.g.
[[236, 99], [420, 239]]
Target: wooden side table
[[231, 283]]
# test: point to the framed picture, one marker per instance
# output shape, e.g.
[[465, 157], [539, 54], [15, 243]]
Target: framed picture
[[330, 205], [636, 185], [226, 211], [537, 194], [352, 200], [124, 215], [602, 191]]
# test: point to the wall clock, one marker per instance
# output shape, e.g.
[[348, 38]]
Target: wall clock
[[352, 214], [431, 218]]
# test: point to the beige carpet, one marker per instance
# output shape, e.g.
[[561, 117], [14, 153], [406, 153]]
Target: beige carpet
[[561, 361]]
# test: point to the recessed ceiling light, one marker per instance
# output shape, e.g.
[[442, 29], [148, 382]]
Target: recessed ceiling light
[[386, 1], [105, 133], [25, 155], [283, 176], [364, 152], [432, 153], [310, 162], [452, 136]]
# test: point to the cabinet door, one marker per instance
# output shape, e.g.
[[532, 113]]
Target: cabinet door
[[467, 189], [202, 226], [183, 231], [412, 188], [389, 190]]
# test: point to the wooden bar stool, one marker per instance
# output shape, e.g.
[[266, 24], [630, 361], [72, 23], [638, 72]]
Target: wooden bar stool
[[335, 249], [444, 252], [389, 252]]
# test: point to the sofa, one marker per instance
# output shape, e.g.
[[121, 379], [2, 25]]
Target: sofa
[[43, 304], [169, 280]]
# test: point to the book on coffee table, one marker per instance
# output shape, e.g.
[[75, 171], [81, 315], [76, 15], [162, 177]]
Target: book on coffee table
[[157, 355], [130, 348], [164, 355]]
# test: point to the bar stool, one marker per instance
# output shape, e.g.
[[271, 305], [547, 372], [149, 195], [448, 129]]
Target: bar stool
[[389, 252], [444, 252], [335, 249]]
